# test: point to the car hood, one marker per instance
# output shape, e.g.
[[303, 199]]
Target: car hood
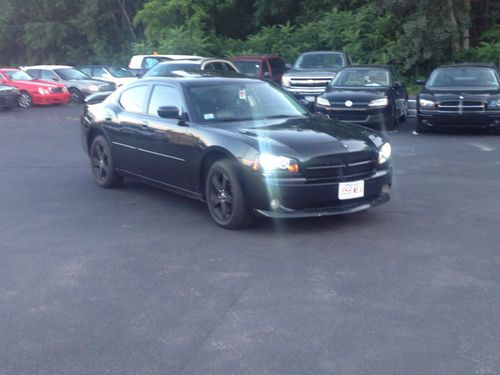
[[316, 73], [305, 138], [354, 94], [454, 95]]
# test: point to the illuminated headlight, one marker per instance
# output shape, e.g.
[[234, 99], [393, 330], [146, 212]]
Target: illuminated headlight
[[322, 101], [384, 102], [43, 91], [273, 163], [93, 88], [427, 104], [384, 153], [285, 80]]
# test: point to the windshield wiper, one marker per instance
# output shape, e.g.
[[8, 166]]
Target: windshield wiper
[[279, 116]]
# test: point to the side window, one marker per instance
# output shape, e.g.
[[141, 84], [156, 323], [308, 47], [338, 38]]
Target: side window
[[228, 67], [277, 66], [46, 74], [164, 96], [98, 72], [87, 71], [133, 99], [265, 69], [149, 62], [34, 73], [215, 67]]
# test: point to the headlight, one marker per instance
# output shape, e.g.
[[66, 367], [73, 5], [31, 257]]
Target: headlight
[[322, 101], [494, 103], [285, 81], [43, 91], [426, 104], [384, 153], [384, 102], [273, 163], [93, 88]]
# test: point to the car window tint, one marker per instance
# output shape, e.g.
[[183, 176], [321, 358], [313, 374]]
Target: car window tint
[[46, 74], [99, 72], [34, 73], [215, 67], [277, 65], [86, 71], [164, 96], [228, 67], [133, 99]]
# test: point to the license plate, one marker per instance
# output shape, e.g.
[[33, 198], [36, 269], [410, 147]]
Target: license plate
[[310, 98], [351, 190]]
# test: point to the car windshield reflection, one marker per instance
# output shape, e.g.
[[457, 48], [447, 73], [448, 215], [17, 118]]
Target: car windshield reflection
[[460, 77], [242, 102], [362, 78]]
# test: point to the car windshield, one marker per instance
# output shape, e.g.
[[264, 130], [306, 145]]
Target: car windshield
[[460, 77], [321, 60], [71, 74], [18, 75], [248, 67], [120, 72], [165, 70], [362, 78], [242, 101]]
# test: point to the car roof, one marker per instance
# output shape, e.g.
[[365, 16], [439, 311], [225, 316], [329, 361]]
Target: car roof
[[46, 67], [254, 57], [370, 66], [201, 78], [467, 65]]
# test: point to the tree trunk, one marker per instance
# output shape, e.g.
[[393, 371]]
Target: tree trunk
[[466, 34], [453, 18]]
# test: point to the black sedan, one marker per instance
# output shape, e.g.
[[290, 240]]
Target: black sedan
[[242, 145], [8, 97], [460, 96], [371, 95]]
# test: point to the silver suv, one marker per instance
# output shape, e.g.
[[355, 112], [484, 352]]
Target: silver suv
[[78, 84]]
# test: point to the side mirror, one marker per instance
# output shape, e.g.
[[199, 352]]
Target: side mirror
[[169, 112], [55, 78], [421, 82]]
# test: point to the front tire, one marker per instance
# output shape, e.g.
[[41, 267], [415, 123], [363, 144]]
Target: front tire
[[25, 100], [102, 164], [225, 198], [76, 95]]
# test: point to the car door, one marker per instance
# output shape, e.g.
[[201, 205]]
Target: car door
[[125, 124], [167, 142], [400, 93]]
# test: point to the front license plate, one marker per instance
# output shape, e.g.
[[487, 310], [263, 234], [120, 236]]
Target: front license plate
[[351, 190], [310, 98]]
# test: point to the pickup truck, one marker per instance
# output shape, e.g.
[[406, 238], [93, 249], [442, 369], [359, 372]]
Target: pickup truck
[[312, 72], [261, 66], [140, 64]]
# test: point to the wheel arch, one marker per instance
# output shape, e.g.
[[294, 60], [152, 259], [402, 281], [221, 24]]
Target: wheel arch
[[211, 156], [94, 132]]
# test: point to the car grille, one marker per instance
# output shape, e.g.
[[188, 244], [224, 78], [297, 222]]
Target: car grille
[[343, 167], [341, 106], [56, 90], [461, 106], [309, 85]]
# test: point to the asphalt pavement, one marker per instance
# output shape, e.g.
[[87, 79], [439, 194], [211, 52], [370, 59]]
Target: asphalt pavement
[[139, 281]]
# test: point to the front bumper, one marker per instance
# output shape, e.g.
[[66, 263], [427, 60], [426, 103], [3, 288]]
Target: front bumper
[[299, 198], [435, 119], [51, 98], [8, 100], [376, 117]]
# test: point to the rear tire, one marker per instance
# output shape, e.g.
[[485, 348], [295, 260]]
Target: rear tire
[[102, 164], [225, 198]]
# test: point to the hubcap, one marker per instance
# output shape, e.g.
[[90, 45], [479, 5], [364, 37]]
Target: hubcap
[[100, 162], [221, 196], [24, 100]]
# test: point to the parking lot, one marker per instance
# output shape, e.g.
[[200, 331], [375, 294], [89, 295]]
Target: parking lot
[[139, 281]]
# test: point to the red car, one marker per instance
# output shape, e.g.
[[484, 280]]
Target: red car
[[33, 91], [261, 66]]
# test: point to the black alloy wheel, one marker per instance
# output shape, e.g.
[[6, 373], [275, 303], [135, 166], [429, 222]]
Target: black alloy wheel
[[102, 164], [76, 95], [25, 100], [225, 198]]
